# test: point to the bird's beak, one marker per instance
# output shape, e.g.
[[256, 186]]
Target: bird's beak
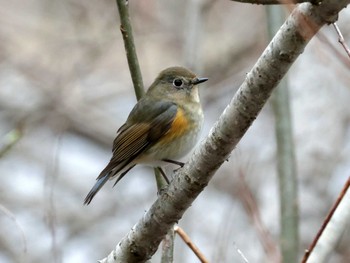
[[199, 80]]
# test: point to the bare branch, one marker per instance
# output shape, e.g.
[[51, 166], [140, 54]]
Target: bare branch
[[244, 258], [327, 220], [190, 244], [341, 39], [130, 49], [13, 218], [340, 56]]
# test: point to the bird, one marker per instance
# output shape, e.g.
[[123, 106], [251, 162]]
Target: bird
[[163, 126]]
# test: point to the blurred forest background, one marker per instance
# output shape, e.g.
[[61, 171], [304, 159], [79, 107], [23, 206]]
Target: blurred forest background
[[65, 89]]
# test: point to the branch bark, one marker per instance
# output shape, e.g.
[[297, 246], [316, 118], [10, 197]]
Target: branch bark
[[143, 239]]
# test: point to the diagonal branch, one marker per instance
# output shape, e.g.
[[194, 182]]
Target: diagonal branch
[[143, 239], [344, 199], [341, 39], [190, 244]]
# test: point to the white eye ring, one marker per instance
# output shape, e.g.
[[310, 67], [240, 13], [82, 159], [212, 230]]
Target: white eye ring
[[178, 83]]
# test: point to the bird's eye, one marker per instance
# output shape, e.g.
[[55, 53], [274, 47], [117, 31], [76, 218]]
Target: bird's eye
[[177, 82]]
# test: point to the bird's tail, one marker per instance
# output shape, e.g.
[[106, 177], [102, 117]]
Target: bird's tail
[[105, 175], [94, 190]]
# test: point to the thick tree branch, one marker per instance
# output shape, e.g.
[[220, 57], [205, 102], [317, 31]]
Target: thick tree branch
[[143, 239]]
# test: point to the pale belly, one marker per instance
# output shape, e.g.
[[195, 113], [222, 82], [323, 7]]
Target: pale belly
[[174, 149]]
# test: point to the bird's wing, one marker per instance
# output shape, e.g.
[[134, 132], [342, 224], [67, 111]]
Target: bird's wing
[[139, 133]]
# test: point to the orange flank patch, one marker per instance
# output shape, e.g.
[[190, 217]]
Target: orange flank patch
[[179, 126]]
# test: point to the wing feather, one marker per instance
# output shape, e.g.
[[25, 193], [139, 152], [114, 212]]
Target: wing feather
[[136, 136]]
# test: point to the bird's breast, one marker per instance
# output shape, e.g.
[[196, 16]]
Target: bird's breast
[[181, 137]]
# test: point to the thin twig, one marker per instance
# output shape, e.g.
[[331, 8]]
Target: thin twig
[[341, 39], [339, 55], [13, 218], [130, 49], [326, 221], [178, 230], [134, 66], [244, 258], [50, 182]]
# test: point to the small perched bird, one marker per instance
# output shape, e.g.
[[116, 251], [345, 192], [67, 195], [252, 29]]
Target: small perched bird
[[162, 127]]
